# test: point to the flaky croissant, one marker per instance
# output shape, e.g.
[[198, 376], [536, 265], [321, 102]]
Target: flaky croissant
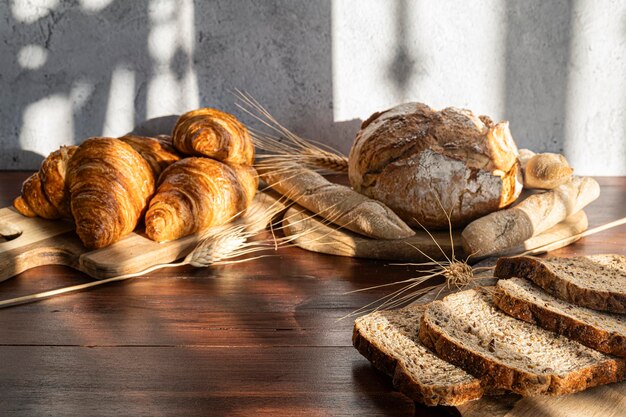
[[157, 151], [110, 184], [44, 193], [213, 133], [196, 193]]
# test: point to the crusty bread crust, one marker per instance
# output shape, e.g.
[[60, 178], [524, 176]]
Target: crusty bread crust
[[337, 203], [404, 381], [585, 333], [539, 271], [499, 231], [547, 171], [493, 372], [426, 164]]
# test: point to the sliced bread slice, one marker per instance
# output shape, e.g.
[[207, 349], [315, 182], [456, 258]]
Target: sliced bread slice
[[389, 340], [599, 330], [595, 281], [469, 331]]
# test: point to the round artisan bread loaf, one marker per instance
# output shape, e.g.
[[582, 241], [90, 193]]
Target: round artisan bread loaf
[[420, 162]]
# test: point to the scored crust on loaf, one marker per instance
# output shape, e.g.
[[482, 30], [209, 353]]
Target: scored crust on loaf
[[389, 340], [411, 156], [599, 330], [468, 330], [594, 281]]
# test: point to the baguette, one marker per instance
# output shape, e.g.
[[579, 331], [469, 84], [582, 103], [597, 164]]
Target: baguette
[[388, 339], [468, 330], [337, 203], [502, 229], [312, 233], [599, 330], [597, 282]]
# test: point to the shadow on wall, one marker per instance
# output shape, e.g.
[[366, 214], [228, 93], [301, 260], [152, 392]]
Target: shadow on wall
[[537, 58], [102, 67], [281, 53], [61, 70], [403, 67]]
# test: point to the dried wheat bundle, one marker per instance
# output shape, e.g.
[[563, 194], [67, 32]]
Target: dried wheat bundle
[[457, 275], [288, 147]]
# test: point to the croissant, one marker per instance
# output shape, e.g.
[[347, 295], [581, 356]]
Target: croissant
[[157, 151], [44, 193], [33, 201], [196, 193], [110, 184], [213, 133]]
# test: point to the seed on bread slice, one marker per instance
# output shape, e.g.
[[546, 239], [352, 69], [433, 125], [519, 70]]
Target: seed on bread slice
[[468, 330], [599, 330], [389, 340], [595, 281]]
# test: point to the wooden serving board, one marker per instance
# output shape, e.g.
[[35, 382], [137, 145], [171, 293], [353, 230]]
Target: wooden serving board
[[314, 234], [54, 242]]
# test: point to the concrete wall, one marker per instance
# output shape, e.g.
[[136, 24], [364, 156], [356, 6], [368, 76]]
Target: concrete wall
[[555, 70]]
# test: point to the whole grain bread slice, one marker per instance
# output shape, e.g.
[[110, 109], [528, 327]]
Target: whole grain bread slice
[[469, 331], [389, 340], [595, 281], [599, 330]]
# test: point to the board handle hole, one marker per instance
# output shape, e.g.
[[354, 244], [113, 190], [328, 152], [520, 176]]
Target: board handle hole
[[9, 232]]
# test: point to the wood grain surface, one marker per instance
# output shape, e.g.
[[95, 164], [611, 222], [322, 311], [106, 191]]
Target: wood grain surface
[[253, 339]]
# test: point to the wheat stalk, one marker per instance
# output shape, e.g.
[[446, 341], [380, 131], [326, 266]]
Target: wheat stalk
[[288, 147], [456, 274], [215, 250]]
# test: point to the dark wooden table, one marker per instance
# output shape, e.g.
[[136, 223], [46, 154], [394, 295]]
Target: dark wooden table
[[258, 338]]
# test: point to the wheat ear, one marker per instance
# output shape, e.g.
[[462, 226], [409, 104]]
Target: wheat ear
[[456, 275], [288, 147]]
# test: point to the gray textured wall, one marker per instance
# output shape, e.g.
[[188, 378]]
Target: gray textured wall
[[555, 70]]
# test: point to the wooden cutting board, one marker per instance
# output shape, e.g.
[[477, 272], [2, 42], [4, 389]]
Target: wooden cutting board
[[312, 233], [54, 242], [29, 242]]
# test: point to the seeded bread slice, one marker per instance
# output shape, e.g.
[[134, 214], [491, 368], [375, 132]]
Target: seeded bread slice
[[596, 281], [389, 340], [469, 331], [599, 330]]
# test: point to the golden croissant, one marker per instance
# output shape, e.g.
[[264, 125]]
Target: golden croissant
[[213, 133], [196, 193], [110, 185], [44, 193], [157, 151]]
